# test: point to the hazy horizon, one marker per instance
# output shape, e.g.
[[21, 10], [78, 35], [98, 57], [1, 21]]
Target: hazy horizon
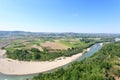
[[79, 16], [59, 32]]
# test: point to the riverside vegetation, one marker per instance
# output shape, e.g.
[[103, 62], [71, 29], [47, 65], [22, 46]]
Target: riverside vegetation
[[34, 54], [103, 65]]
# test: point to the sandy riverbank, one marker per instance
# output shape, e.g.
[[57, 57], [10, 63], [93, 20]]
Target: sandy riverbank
[[14, 67], [101, 44]]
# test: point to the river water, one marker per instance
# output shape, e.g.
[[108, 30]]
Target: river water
[[92, 50]]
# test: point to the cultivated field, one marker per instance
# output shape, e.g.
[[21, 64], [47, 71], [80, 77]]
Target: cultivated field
[[54, 45], [50, 44]]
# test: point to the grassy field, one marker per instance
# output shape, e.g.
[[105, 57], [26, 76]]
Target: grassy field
[[48, 43], [66, 43], [71, 44]]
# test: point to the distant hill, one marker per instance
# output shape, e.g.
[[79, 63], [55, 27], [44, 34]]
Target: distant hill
[[45, 34]]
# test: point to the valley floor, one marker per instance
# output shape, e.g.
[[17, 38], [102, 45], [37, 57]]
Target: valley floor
[[15, 67]]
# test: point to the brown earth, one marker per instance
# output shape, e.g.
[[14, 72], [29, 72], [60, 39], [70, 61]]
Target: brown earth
[[54, 45]]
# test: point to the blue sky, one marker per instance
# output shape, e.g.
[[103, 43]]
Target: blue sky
[[84, 16]]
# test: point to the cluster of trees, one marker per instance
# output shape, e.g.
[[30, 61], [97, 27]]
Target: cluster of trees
[[24, 54], [102, 39], [35, 54], [100, 66], [87, 40]]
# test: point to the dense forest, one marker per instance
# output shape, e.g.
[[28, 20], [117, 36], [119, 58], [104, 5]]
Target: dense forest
[[103, 65], [36, 55]]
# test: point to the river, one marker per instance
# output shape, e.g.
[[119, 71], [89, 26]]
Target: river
[[92, 50]]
